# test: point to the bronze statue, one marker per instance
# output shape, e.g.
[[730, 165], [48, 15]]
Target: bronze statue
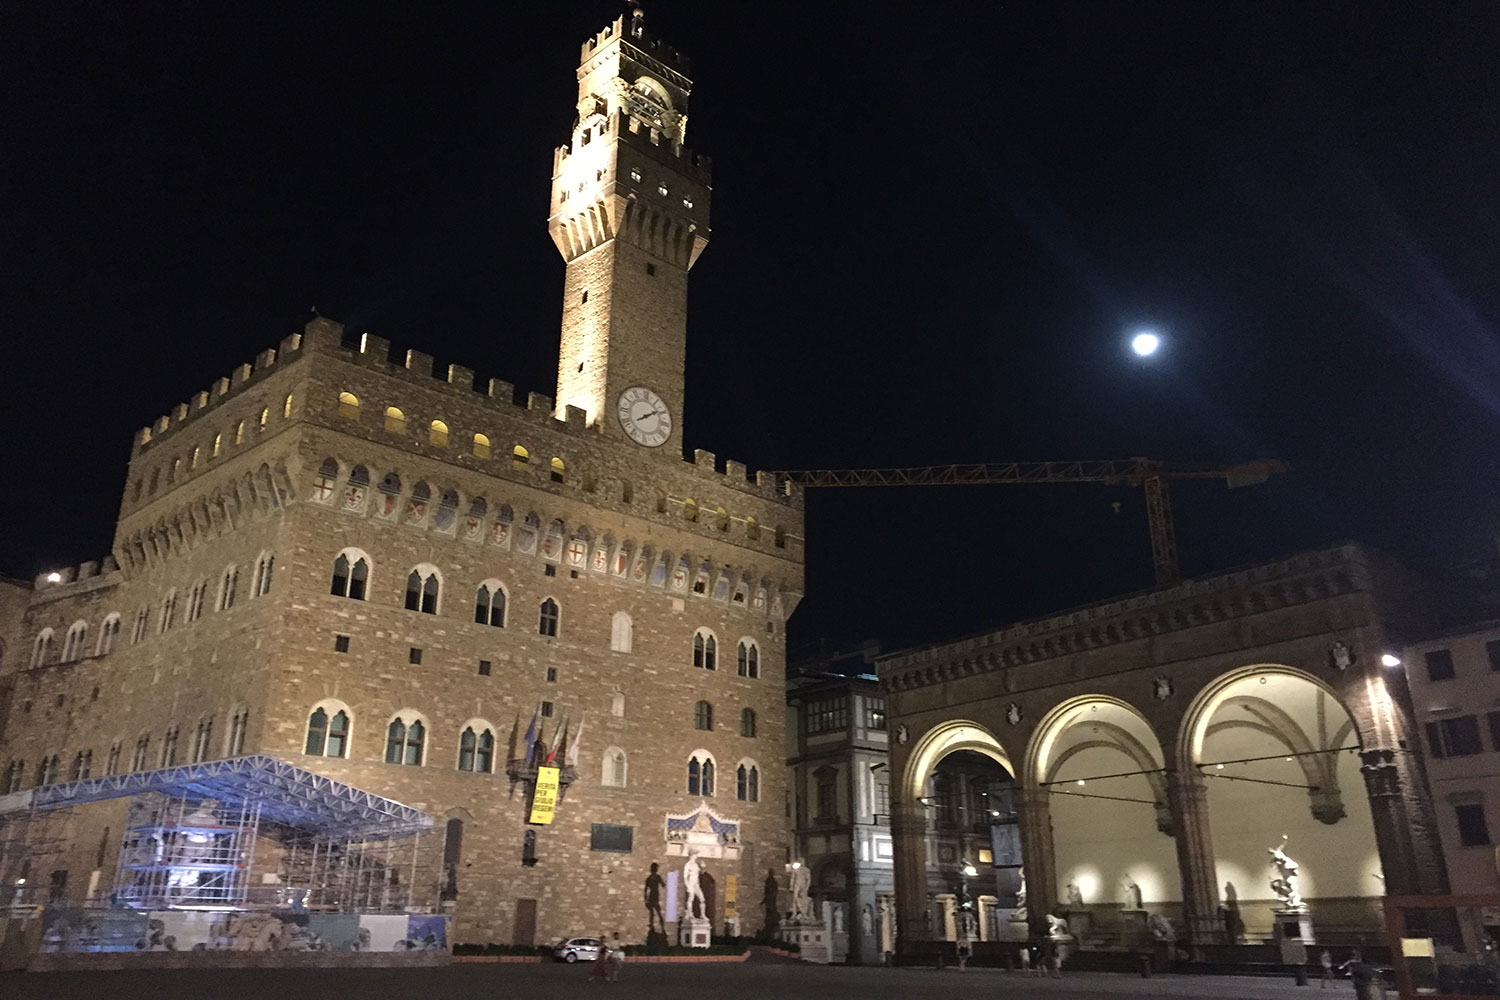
[[655, 919]]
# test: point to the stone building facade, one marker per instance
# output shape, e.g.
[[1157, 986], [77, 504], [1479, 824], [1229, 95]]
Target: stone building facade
[[1163, 743], [384, 574]]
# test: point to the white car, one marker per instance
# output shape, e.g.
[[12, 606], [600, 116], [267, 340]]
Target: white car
[[580, 949]]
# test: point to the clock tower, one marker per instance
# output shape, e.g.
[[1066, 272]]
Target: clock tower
[[629, 213]]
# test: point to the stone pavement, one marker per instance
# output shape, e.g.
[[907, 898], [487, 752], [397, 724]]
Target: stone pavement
[[781, 981]]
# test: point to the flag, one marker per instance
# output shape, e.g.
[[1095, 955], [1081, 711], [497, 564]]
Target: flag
[[515, 735], [572, 757], [531, 739], [557, 735]]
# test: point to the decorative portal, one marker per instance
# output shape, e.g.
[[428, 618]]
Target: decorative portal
[[702, 832], [1013, 714], [1162, 688]]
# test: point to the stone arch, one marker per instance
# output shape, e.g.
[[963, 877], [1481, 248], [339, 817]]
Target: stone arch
[[1194, 726], [1040, 756], [942, 740]]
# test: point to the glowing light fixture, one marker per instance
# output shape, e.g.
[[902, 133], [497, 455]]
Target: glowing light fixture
[[1390, 660], [1145, 343], [1080, 781], [969, 870], [54, 578], [1219, 766]]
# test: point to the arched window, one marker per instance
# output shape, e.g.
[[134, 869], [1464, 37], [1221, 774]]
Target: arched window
[[780, 538], [489, 604], [193, 460], [13, 777], [752, 530], [169, 747], [705, 650], [557, 470], [422, 590], [107, 633], [327, 733], [747, 722], [721, 519], [239, 432], [151, 486], [614, 768], [351, 571], [142, 751], [202, 738], [520, 458], [168, 612], [437, 435], [703, 716], [747, 782], [476, 748], [690, 510], [172, 471], [547, 621], [395, 420], [218, 446], [621, 632], [265, 417], [239, 722], [41, 648], [404, 741], [228, 584], [78, 633], [481, 446], [748, 659], [264, 566], [617, 705], [348, 406], [701, 773], [286, 407]]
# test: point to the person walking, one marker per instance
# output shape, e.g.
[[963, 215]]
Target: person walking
[[1360, 974], [1326, 961]]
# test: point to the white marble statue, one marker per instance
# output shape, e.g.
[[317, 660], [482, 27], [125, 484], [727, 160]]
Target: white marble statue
[[1161, 928], [1075, 895], [802, 905], [692, 873], [1132, 895], [1284, 877], [1057, 928], [1019, 915]]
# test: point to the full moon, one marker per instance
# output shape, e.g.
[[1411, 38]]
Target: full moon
[[1145, 343]]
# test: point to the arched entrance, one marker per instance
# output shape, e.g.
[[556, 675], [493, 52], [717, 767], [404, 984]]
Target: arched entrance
[[1097, 767], [1279, 755], [956, 781]]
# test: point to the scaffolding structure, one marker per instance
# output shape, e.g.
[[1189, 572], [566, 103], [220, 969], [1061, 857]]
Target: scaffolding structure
[[325, 875], [178, 854]]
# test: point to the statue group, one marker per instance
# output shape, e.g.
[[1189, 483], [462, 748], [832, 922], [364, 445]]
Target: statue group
[[1284, 877]]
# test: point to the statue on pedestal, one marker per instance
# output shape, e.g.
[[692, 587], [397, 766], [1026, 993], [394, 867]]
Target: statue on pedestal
[[1057, 928], [1018, 915], [1161, 928], [802, 905], [1075, 896], [1132, 895], [1284, 879], [692, 886]]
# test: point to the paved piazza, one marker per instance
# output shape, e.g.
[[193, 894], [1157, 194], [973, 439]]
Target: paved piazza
[[782, 981]]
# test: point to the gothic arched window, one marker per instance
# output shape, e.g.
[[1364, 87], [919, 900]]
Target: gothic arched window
[[748, 659], [705, 650], [489, 604], [701, 774], [747, 722], [422, 590], [351, 571], [703, 716], [404, 741], [547, 619]]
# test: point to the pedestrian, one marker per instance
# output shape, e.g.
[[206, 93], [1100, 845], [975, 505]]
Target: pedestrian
[[1025, 954], [1360, 974], [964, 949], [601, 968], [1326, 961]]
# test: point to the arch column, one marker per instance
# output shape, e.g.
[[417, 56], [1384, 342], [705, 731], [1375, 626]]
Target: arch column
[[1405, 828], [1038, 857], [1187, 797], [909, 844]]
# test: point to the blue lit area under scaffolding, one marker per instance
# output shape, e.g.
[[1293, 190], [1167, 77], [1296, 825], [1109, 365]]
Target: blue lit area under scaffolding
[[249, 854]]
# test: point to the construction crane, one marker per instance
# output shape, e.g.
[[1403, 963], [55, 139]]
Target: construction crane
[[1151, 475]]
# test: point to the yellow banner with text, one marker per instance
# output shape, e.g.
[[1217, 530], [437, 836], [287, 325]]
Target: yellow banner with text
[[544, 800]]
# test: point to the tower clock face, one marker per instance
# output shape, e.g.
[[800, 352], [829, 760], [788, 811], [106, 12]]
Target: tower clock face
[[645, 417]]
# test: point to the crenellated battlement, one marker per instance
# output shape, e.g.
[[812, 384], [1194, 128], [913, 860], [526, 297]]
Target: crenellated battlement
[[66, 580], [633, 31], [325, 337], [643, 136]]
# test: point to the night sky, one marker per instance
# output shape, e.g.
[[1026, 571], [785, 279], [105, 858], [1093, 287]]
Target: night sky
[[936, 226]]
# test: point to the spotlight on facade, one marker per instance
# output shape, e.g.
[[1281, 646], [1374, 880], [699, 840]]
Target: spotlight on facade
[[1145, 343], [969, 870], [1080, 781], [1219, 766], [1390, 660], [54, 578]]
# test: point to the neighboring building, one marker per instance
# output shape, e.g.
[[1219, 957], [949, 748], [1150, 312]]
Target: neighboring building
[[1163, 743], [384, 577], [839, 753], [1455, 687]]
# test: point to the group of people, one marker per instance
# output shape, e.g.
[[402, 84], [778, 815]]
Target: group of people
[[607, 966]]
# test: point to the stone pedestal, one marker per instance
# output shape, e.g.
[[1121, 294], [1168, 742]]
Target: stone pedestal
[[697, 932], [1080, 922], [1133, 928], [1292, 929], [812, 940]]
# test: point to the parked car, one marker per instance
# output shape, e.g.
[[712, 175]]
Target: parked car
[[583, 949]]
